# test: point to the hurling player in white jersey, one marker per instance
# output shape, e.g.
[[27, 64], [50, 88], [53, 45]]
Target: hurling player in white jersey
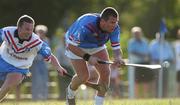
[[19, 46]]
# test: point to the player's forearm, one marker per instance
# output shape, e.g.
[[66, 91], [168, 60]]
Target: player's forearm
[[76, 50], [117, 54], [55, 62]]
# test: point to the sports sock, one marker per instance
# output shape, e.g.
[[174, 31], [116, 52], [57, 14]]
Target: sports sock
[[71, 93], [99, 100]]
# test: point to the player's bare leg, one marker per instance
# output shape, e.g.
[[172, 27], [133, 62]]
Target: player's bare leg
[[104, 79], [82, 75], [12, 80]]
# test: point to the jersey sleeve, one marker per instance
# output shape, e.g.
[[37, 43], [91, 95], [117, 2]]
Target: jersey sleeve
[[78, 36], [45, 51], [115, 39]]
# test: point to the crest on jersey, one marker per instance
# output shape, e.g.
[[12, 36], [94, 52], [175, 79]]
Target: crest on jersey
[[27, 49]]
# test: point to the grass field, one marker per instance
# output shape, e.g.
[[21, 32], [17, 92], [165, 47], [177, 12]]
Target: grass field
[[107, 102]]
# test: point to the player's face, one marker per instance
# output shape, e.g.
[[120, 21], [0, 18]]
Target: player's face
[[26, 30], [110, 24]]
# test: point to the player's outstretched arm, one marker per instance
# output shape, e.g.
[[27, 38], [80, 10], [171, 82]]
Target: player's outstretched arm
[[57, 65], [45, 51]]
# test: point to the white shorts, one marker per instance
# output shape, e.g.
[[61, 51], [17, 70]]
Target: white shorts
[[91, 51]]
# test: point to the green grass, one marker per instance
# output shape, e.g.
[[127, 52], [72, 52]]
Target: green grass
[[107, 102]]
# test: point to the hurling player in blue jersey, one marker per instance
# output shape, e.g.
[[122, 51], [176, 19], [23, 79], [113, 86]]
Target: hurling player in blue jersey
[[86, 39], [19, 46]]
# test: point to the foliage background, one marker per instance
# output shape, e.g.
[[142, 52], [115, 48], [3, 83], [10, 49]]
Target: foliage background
[[61, 13]]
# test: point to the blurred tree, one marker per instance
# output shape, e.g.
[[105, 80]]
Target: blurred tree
[[144, 13]]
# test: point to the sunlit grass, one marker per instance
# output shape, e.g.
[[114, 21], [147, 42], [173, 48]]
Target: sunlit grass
[[107, 102]]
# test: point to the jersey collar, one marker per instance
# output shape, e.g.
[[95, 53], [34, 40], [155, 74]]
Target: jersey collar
[[20, 40]]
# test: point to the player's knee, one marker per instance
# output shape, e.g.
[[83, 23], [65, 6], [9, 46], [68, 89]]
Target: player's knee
[[84, 78], [103, 88]]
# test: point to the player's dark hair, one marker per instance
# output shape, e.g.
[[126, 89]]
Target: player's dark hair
[[25, 18], [107, 12]]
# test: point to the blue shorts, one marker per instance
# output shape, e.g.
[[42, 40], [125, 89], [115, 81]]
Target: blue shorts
[[6, 68]]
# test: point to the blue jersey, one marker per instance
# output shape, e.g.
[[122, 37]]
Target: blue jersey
[[85, 33]]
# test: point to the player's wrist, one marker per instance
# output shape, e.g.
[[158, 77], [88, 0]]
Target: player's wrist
[[86, 56], [118, 58]]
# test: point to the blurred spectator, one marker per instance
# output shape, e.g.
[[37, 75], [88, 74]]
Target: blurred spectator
[[161, 50], [39, 69], [138, 53], [176, 45], [115, 81], [65, 62]]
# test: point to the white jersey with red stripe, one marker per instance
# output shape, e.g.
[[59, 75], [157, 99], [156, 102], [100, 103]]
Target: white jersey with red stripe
[[20, 55]]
